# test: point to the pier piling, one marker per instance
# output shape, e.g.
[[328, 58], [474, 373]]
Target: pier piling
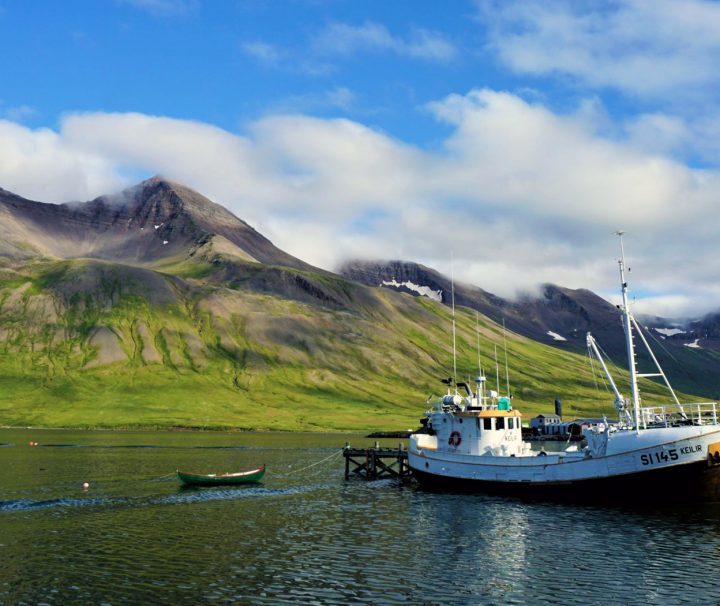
[[376, 463]]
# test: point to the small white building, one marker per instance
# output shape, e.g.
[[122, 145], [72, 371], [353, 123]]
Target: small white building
[[547, 425]]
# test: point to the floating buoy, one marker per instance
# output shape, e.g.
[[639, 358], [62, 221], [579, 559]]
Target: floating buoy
[[86, 485]]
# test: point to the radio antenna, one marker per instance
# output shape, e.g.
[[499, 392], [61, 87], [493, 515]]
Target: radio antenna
[[477, 332]]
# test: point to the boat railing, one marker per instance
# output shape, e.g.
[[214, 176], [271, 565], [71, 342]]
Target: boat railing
[[699, 413]]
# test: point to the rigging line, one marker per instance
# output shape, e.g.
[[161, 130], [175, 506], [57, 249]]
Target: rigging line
[[592, 365], [603, 352], [592, 369], [654, 338], [604, 381]]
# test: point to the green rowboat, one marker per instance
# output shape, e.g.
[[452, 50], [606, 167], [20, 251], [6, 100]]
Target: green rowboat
[[241, 477]]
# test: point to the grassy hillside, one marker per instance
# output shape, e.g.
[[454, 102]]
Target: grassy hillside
[[217, 343]]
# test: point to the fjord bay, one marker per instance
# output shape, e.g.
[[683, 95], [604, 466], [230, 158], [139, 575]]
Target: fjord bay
[[306, 536]]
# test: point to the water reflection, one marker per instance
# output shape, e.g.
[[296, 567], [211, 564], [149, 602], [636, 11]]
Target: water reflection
[[305, 536]]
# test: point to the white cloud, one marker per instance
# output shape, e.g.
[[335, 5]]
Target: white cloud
[[317, 56], [164, 8], [41, 164], [532, 160], [345, 39], [341, 97], [336, 98], [646, 48], [17, 114], [518, 195], [658, 132], [660, 56], [668, 306], [277, 57], [263, 52], [338, 167]]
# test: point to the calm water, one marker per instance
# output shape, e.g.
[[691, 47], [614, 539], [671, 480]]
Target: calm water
[[309, 537]]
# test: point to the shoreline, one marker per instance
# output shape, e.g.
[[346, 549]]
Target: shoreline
[[180, 429]]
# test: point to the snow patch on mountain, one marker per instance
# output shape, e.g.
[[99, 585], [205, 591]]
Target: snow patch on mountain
[[669, 332], [425, 291], [555, 336]]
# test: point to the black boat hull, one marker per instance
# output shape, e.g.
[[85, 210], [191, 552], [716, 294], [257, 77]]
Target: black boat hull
[[694, 482]]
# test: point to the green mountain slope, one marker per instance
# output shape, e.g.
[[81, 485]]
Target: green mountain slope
[[156, 307], [215, 341]]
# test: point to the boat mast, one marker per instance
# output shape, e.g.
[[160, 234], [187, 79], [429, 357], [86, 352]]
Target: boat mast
[[452, 291], [627, 323], [507, 372], [497, 372], [480, 381]]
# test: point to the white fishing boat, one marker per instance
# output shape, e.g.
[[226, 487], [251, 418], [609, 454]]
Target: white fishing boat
[[661, 453]]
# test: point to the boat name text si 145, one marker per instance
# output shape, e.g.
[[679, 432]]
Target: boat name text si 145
[[662, 456]]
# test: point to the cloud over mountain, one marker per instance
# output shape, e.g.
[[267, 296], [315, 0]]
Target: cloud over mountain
[[518, 194]]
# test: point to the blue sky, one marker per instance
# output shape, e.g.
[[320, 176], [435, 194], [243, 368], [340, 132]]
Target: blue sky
[[514, 136], [229, 62]]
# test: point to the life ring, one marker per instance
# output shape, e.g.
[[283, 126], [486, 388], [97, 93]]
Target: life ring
[[455, 439]]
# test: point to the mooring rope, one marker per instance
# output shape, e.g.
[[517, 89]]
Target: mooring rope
[[283, 475], [293, 472]]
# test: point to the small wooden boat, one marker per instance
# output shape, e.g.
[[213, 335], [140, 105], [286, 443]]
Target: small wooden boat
[[241, 477]]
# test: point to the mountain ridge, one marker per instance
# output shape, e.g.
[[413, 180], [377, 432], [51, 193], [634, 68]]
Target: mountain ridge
[[155, 219], [562, 317], [573, 312], [156, 307]]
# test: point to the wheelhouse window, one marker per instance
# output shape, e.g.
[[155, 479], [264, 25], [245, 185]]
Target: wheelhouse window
[[487, 423], [500, 423], [511, 423]]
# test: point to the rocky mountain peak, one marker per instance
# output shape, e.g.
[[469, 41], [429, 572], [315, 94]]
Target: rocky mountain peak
[[156, 200], [142, 224]]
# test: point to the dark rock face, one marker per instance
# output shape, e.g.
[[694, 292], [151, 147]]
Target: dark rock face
[[126, 237], [140, 225]]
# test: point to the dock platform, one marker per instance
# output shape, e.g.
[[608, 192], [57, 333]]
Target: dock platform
[[376, 463]]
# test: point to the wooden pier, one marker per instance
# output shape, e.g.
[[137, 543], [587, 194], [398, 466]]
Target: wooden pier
[[376, 463]]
